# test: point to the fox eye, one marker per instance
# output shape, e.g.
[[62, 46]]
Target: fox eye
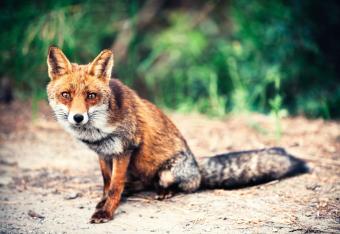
[[91, 96], [66, 95]]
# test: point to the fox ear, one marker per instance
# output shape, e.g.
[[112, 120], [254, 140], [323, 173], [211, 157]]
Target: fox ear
[[57, 62], [101, 66]]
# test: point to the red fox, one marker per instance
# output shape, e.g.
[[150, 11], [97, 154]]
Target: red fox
[[138, 146]]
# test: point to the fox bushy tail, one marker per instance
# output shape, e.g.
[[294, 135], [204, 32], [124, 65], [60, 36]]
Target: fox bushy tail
[[246, 168]]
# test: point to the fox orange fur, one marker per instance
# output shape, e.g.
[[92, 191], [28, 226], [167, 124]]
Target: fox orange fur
[[138, 146]]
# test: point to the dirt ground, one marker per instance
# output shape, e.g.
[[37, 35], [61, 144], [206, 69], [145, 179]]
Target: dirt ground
[[50, 183]]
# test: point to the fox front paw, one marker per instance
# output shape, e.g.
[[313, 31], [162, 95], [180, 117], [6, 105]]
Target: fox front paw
[[101, 216]]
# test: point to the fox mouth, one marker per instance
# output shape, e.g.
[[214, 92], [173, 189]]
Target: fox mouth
[[79, 126], [87, 132], [83, 126]]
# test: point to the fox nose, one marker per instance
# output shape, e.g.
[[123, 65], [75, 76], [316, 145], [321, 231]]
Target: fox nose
[[78, 118]]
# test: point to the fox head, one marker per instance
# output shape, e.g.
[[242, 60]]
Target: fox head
[[79, 94]]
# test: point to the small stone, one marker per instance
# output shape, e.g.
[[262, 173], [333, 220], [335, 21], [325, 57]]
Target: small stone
[[5, 180], [55, 191], [313, 187], [72, 195], [8, 162], [34, 214]]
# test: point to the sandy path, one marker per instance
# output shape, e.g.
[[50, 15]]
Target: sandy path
[[42, 167]]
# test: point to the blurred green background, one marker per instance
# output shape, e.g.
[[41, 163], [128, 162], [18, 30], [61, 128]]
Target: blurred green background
[[215, 57]]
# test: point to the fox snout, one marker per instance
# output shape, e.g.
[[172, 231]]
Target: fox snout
[[78, 118], [77, 114]]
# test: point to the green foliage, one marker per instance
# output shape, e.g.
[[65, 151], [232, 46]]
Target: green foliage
[[276, 102], [176, 69], [275, 57], [33, 26]]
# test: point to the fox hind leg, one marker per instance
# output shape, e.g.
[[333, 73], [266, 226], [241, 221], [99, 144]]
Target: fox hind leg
[[180, 173]]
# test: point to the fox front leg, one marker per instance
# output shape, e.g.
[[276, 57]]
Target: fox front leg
[[105, 211], [105, 164]]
